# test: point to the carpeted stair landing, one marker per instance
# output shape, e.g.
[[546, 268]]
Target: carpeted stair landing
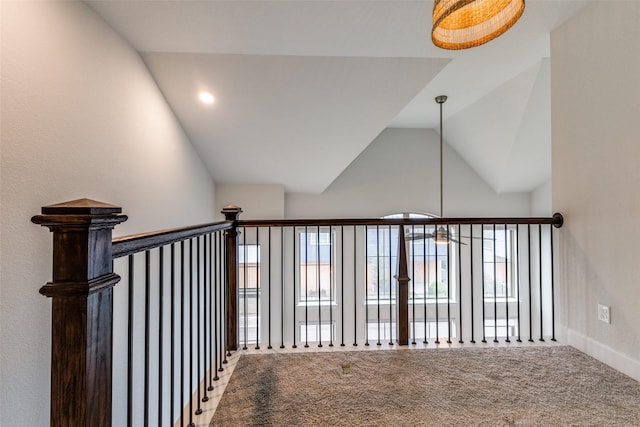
[[519, 386]]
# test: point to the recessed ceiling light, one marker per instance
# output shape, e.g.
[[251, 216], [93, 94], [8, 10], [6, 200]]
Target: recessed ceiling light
[[207, 98]]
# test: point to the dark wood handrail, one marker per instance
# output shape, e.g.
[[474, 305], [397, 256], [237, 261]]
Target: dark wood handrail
[[127, 245], [556, 220]]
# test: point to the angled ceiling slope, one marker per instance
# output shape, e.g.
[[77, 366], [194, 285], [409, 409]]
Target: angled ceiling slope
[[297, 121]]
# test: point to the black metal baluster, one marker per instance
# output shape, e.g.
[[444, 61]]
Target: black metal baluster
[[318, 292], [448, 288], [506, 283], [198, 321], [530, 284], [473, 340], [245, 275], [306, 288], [553, 308], [211, 311], [130, 344], [160, 329], [390, 293], [495, 289], [378, 286], [295, 327], [183, 332], [460, 283], [269, 291], [331, 285], [425, 282], [540, 277], [223, 298], [366, 286], [217, 267], [147, 319], [413, 285], [355, 290], [484, 336], [172, 334], [342, 286], [517, 276], [437, 341], [258, 288], [191, 355], [282, 288]]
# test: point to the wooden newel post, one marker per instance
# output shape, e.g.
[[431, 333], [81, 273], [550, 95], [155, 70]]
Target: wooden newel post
[[231, 213], [82, 298], [402, 292]]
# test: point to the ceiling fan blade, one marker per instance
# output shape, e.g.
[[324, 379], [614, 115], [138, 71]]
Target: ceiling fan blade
[[419, 236], [457, 241]]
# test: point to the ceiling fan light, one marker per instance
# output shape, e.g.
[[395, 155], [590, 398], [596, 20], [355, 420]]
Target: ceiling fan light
[[441, 237], [461, 24]]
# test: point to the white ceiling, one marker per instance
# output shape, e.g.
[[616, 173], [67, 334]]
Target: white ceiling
[[302, 87]]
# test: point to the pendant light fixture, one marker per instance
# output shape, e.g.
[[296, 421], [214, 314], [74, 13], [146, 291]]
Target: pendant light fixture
[[441, 236], [461, 24]]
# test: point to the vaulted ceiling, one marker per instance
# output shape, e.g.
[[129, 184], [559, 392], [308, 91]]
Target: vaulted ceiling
[[303, 87]]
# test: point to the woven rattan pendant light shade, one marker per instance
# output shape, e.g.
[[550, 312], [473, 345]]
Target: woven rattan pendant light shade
[[461, 24]]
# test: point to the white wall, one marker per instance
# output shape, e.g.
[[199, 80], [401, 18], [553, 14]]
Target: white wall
[[258, 201], [541, 200], [399, 172], [81, 117], [596, 152]]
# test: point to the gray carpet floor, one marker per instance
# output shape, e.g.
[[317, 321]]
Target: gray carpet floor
[[518, 386]]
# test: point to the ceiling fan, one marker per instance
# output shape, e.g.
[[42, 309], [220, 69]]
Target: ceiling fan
[[441, 235]]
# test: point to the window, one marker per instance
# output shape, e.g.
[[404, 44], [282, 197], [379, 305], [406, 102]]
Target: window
[[498, 262], [316, 267], [249, 292]]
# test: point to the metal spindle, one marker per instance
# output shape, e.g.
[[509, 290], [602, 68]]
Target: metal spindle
[[448, 288], [216, 312], [553, 308], [460, 284], [244, 286], [366, 286], [198, 321], [318, 291], [191, 355], [258, 288], [211, 311], [147, 319], [517, 276], [540, 278], [413, 286], [269, 290], [437, 341], [130, 344], [530, 284], [495, 288], [355, 290], [172, 334], [484, 336], [295, 327], [306, 288], [282, 288], [473, 340], [183, 332], [506, 283], [425, 282], [390, 296], [331, 285], [378, 272], [342, 286], [160, 330]]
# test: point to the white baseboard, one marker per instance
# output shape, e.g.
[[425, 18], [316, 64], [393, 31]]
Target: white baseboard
[[619, 361]]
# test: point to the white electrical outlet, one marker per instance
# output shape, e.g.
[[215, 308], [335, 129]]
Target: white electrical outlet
[[604, 313]]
